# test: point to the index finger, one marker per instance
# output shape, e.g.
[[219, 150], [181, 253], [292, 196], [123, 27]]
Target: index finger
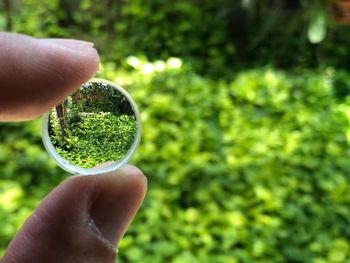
[[36, 74]]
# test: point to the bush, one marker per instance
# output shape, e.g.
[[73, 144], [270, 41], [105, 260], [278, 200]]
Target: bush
[[214, 36], [255, 170], [252, 167]]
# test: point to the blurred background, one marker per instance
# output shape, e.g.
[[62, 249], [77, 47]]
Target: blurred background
[[245, 107]]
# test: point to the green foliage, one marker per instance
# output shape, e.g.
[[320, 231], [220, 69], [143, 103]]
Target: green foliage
[[96, 98], [253, 170], [214, 36], [94, 125], [98, 138], [249, 166]]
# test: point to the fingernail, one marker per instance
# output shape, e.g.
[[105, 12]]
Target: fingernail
[[68, 43], [113, 209]]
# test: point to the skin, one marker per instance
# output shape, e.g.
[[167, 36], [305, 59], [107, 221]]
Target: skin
[[82, 219]]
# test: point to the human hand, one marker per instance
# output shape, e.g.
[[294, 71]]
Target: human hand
[[83, 218]]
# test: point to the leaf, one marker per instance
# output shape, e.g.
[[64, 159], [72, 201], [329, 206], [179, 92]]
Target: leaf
[[246, 4], [318, 27]]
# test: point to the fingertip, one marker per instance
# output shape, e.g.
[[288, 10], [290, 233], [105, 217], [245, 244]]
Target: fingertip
[[38, 74], [130, 174], [78, 60]]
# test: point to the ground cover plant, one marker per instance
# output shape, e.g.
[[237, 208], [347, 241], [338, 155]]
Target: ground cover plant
[[253, 170], [93, 126], [246, 127]]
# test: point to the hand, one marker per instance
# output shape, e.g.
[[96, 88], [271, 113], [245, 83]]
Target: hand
[[83, 218]]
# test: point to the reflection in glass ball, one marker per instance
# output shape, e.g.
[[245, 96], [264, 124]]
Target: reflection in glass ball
[[96, 126]]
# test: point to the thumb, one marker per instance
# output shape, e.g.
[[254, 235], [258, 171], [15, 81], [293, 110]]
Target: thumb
[[81, 220]]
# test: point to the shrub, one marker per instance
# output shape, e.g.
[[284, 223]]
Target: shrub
[[255, 170], [215, 36]]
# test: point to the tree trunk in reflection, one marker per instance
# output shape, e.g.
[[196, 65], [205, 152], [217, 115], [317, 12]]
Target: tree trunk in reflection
[[63, 122], [8, 15]]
